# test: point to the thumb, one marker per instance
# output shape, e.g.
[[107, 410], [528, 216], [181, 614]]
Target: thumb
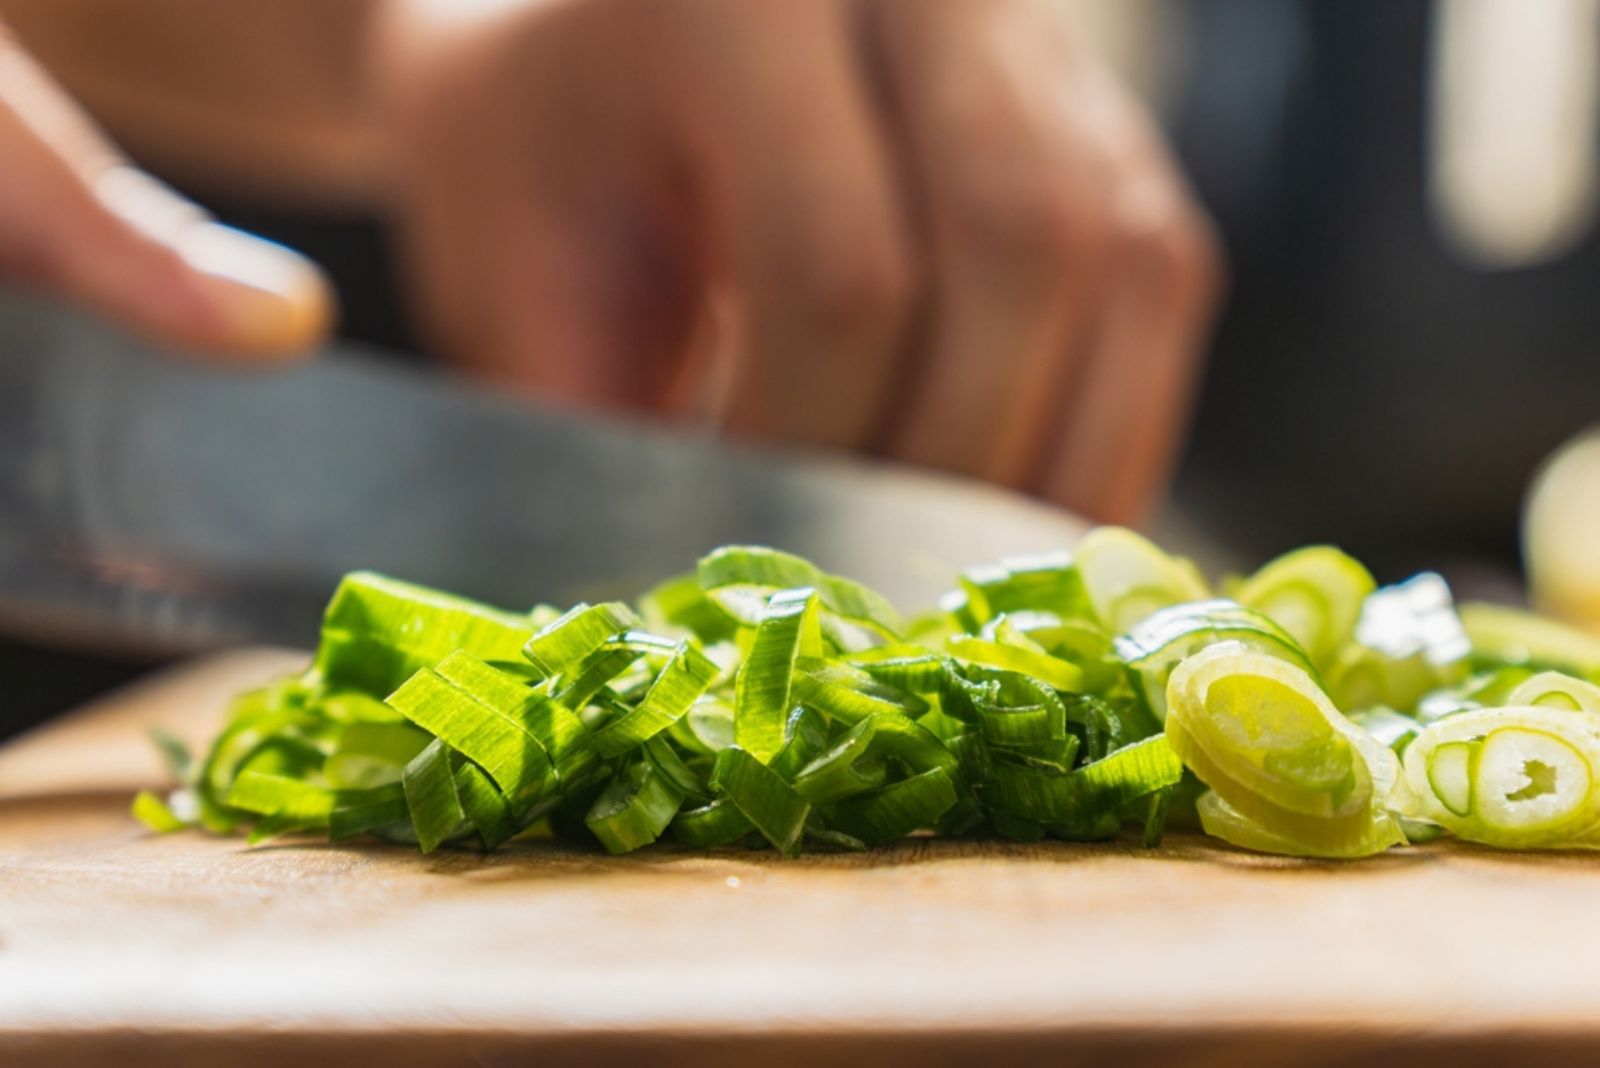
[[78, 221]]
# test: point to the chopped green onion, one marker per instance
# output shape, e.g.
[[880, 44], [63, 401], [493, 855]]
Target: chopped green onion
[[431, 796], [1044, 582], [634, 808], [1068, 695], [1552, 689], [1127, 577], [1315, 593], [1018, 655], [895, 810], [858, 761], [787, 630], [573, 638], [373, 811], [485, 723], [377, 631], [155, 813], [373, 754], [1261, 733], [848, 693], [1078, 797], [741, 578], [485, 806], [1519, 778], [1500, 635], [1163, 639], [769, 803]]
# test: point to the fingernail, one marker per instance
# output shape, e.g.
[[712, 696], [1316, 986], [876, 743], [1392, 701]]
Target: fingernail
[[267, 297]]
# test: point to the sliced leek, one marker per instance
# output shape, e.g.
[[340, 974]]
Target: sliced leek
[[761, 701], [1261, 733], [1515, 777], [1315, 593], [1165, 638], [1126, 577]]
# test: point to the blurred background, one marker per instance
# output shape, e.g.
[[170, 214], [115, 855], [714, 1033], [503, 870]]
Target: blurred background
[[1406, 190]]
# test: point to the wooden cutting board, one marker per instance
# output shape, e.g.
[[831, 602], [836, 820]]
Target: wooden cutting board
[[119, 946]]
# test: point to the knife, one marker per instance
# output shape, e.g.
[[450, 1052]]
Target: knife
[[155, 505]]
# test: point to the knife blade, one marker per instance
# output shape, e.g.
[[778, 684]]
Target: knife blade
[[157, 505]]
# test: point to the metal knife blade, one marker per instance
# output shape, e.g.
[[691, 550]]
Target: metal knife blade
[[158, 505]]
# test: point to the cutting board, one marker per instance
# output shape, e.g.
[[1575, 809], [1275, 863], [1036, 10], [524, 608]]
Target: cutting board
[[121, 946]]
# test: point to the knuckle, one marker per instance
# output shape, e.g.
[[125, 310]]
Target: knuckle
[[1174, 255], [843, 278], [1030, 227]]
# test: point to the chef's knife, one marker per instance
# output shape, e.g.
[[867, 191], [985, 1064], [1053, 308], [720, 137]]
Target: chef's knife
[[151, 503]]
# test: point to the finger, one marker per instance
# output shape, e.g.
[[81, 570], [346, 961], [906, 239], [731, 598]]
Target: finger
[[1010, 189], [79, 222], [808, 224], [535, 257], [1126, 417]]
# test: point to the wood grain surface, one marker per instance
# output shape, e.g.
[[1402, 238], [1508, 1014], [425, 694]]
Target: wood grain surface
[[117, 946]]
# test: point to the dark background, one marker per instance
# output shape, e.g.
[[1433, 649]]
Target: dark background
[[1366, 387]]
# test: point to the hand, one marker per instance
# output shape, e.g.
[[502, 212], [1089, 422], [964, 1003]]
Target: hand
[[930, 228], [77, 221]]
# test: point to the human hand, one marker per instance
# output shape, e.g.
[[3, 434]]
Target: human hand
[[79, 222], [934, 229]]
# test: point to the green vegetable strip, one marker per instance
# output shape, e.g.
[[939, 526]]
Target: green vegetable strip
[[711, 826], [485, 806], [431, 797], [562, 733], [681, 683], [706, 728], [279, 795], [856, 763], [1502, 636], [377, 631], [1106, 785], [634, 808], [908, 667], [155, 813], [370, 810], [1162, 640], [1047, 582], [848, 693], [1155, 817], [239, 742], [580, 686], [496, 737], [1026, 659], [352, 707], [571, 639], [762, 693], [372, 754], [895, 810], [741, 578], [1019, 710], [680, 602], [769, 803]]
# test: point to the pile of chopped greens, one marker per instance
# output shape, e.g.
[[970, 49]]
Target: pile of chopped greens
[[763, 702]]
